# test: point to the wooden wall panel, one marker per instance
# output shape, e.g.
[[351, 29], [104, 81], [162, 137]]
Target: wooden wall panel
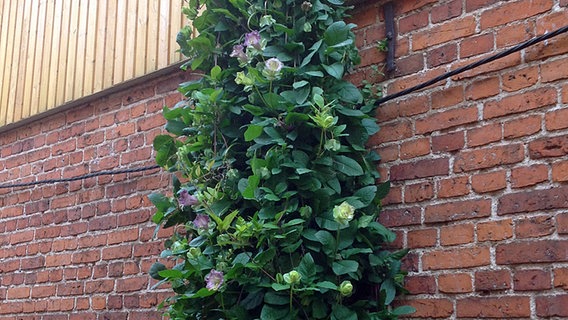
[[56, 51]]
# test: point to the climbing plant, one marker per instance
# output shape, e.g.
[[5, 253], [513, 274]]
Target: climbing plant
[[275, 197]]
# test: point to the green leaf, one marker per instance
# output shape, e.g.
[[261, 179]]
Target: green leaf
[[314, 48], [383, 189], [347, 166], [348, 92], [160, 201], [155, 270], [327, 240], [273, 313], [172, 274], [387, 234], [307, 268], [299, 84], [215, 72], [390, 290], [248, 186], [228, 220], [253, 132], [342, 267], [366, 194], [335, 70], [326, 285], [340, 312], [403, 310]]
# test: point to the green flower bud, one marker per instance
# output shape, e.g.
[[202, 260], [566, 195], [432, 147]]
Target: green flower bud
[[279, 278], [332, 145], [243, 79], [292, 277], [346, 288], [306, 212], [267, 20], [193, 253], [343, 213]]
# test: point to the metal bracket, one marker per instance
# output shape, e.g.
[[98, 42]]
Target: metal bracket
[[391, 35]]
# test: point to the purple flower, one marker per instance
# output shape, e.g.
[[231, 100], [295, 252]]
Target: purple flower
[[186, 199], [214, 280], [252, 39], [239, 53], [201, 221]]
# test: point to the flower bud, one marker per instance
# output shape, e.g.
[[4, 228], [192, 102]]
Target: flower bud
[[346, 288], [292, 277], [343, 213], [332, 145], [193, 253], [306, 6]]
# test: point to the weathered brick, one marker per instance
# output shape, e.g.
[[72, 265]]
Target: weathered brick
[[494, 307], [533, 200], [442, 55], [457, 210], [531, 280], [476, 45], [455, 283], [453, 187], [534, 227], [420, 169], [489, 182], [484, 135], [442, 33], [557, 119], [552, 306], [551, 48], [447, 97], [420, 284], [482, 89], [457, 234], [492, 280], [448, 142], [522, 102], [413, 22], [414, 148], [431, 308], [400, 217], [495, 230], [392, 132], [446, 119], [534, 251], [522, 127], [488, 157], [458, 258], [422, 238], [509, 11]]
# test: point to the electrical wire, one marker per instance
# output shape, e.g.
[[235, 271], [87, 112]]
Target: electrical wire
[[476, 64], [82, 177], [423, 85]]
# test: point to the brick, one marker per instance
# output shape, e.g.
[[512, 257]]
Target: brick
[[443, 33], [477, 45], [530, 100], [495, 230], [99, 286], [549, 147], [86, 256], [560, 171], [394, 196], [489, 182], [447, 97], [562, 223], [453, 187], [553, 47], [392, 132], [448, 142], [557, 119], [70, 289], [515, 33], [493, 307], [413, 22], [414, 148], [534, 251], [422, 238], [18, 292], [457, 234], [488, 157], [446, 11], [534, 227], [482, 89], [484, 135], [457, 210], [552, 306], [131, 284], [531, 280], [492, 280], [420, 284], [456, 258], [117, 252], [560, 278], [455, 283], [442, 55], [388, 153], [400, 217], [420, 169], [471, 5], [520, 79], [418, 192], [521, 127], [533, 200], [446, 119], [406, 82], [431, 308], [509, 11], [407, 65]]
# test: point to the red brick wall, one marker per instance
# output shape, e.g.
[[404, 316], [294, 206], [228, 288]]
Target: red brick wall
[[82, 250], [479, 165], [478, 162]]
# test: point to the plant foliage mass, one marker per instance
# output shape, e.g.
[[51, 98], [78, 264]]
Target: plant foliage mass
[[275, 200]]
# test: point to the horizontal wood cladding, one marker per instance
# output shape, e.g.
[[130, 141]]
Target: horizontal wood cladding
[[56, 51]]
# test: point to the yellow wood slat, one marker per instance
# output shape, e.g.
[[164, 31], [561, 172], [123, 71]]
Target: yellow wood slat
[[151, 43], [141, 33], [46, 57], [79, 84], [100, 46], [130, 40], [39, 61], [6, 37], [109, 44], [176, 24], [90, 48], [121, 35], [164, 34], [72, 51], [30, 60], [62, 52], [55, 54], [21, 47]]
